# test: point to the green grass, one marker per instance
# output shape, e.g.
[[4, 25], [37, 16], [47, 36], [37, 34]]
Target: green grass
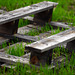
[[23, 23], [44, 29], [17, 50]]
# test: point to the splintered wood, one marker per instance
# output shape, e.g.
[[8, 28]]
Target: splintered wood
[[52, 41], [25, 11]]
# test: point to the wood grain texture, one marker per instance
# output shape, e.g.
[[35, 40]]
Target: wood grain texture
[[52, 41], [26, 29], [25, 11], [10, 59], [21, 37]]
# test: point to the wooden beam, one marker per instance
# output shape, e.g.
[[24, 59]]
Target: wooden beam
[[10, 59], [52, 41], [25, 11], [20, 37]]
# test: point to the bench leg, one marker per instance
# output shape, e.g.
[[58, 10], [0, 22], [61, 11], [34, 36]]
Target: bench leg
[[9, 28], [41, 58], [43, 17], [71, 46]]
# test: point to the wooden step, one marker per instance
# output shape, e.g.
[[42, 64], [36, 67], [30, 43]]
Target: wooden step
[[24, 11], [52, 41]]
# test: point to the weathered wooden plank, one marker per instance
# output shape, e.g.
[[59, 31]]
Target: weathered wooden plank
[[24, 11], [26, 29], [59, 24], [20, 37], [10, 59], [52, 41]]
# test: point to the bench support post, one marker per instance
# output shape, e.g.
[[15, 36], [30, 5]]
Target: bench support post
[[71, 46], [43, 17], [9, 28], [41, 58]]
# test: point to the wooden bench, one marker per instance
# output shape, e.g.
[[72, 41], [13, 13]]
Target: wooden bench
[[41, 51], [9, 21]]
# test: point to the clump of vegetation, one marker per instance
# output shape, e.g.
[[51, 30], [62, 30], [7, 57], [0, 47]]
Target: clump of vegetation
[[3, 45], [23, 23], [17, 50], [45, 28]]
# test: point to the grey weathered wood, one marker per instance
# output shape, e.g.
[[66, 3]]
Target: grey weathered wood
[[21, 37], [24, 11], [59, 24], [10, 59], [26, 38], [26, 29], [41, 58], [52, 41]]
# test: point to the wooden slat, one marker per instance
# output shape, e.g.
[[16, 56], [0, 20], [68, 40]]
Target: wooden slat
[[52, 41], [10, 59], [26, 29], [59, 24], [25, 11]]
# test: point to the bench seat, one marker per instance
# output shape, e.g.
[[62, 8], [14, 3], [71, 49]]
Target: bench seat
[[25, 11], [52, 41]]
